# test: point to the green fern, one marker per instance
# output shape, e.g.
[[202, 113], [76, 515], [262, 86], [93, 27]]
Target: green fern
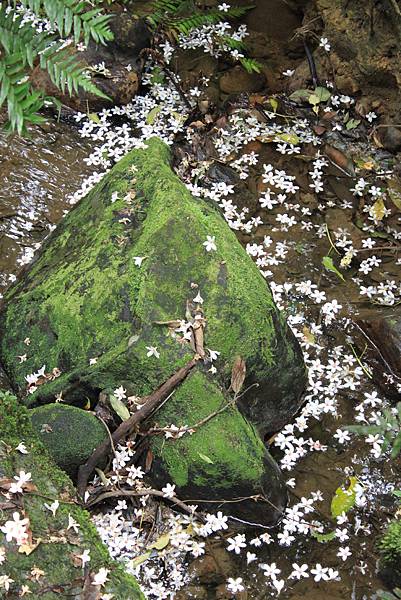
[[22, 48]]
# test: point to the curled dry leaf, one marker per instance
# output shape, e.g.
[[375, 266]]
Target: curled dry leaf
[[238, 374], [341, 160]]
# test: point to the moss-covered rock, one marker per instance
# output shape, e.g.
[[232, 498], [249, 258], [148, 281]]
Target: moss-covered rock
[[58, 546], [390, 554], [69, 433], [84, 296]]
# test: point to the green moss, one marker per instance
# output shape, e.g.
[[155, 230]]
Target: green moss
[[54, 557], [390, 543], [70, 434], [226, 450], [84, 296]]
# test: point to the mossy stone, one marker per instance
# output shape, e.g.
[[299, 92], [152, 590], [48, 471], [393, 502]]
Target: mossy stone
[[56, 553], [69, 433], [84, 296], [389, 547]]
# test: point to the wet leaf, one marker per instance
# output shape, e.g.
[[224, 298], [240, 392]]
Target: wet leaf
[[93, 117], [340, 159], [327, 262], [238, 374], [378, 210], [161, 542], [140, 559], [274, 104], [352, 124], [300, 95], [152, 115], [394, 192], [205, 458], [119, 407], [289, 138], [324, 537], [322, 93], [344, 500]]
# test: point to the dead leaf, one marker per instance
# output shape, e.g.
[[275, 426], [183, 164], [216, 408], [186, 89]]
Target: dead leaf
[[148, 461], [341, 160], [319, 129], [378, 210], [238, 374], [29, 547], [161, 542], [308, 335]]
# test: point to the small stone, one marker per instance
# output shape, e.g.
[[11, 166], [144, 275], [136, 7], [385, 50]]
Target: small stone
[[237, 80]]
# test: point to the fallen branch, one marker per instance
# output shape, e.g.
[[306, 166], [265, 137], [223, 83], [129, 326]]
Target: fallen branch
[[151, 403]]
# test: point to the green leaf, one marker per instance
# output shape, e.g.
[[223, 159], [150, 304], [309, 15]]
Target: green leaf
[[300, 95], [289, 138], [152, 115], [327, 262], [205, 458], [119, 407], [352, 123], [324, 537], [322, 93], [135, 562], [161, 542], [344, 500], [274, 104]]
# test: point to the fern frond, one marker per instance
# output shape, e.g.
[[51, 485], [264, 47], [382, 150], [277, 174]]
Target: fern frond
[[251, 65], [73, 17]]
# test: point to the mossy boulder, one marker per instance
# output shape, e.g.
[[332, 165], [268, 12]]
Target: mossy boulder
[[69, 433], [389, 547], [58, 547], [85, 296]]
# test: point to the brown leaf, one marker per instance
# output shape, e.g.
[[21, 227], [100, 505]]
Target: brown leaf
[[148, 461], [319, 129], [238, 374], [340, 159], [29, 547]]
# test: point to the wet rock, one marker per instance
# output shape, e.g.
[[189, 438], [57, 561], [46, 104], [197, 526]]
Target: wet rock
[[382, 334], [70, 434], [237, 80], [84, 296], [57, 548], [131, 35], [390, 138]]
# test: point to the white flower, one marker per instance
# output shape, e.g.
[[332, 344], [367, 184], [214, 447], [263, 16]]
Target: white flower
[[152, 351], [270, 570], [120, 393], [299, 571], [92, 361], [53, 507], [16, 529], [138, 260], [22, 358], [22, 448], [85, 557], [250, 557], [235, 585], [319, 572], [72, 524], [370, 116], [5, 582], [198, 299], [21, 479], [210, 243], [213, 354], [100, 577], [289, 72], [114, 197], [169, 491], [236, 543], [344, 553], [224, 8], [342, 436], [324, 43], [278, 584]]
